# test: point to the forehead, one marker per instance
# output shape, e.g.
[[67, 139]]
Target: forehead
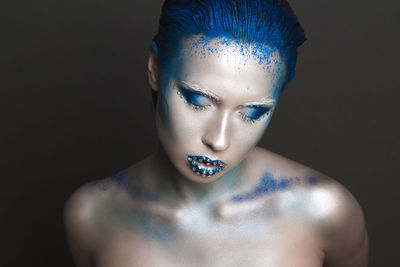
[[225, 65]]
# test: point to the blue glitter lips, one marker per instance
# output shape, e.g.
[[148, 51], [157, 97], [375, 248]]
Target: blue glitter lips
[[205, 166]]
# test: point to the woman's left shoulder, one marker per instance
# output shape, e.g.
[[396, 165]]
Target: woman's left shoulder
[[326, 197], [332, 207], [331, 210], [338, 221]]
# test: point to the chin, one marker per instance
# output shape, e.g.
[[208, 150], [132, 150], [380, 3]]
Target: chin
[[203, 180]]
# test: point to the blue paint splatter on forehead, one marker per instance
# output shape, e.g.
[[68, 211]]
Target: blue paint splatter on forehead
[[248, 53], [204, 46]]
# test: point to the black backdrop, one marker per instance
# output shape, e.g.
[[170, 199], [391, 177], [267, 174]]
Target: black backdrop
[[76, 107]]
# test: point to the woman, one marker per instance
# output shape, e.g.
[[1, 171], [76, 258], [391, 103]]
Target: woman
[[208, 196]]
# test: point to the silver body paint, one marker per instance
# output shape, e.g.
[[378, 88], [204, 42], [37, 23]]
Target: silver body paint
[[194, 221]]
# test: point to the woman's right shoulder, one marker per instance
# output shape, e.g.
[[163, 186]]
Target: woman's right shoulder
[[82, 214], [79, 205], [79, 221], [80, 208]]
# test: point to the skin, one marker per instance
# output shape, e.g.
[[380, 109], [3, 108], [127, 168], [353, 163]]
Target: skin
[[260, 210]]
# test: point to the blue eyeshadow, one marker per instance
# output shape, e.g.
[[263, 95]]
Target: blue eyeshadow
[[256, 112], [193, 97]]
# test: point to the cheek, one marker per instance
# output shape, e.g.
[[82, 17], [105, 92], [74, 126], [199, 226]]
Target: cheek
[[246, 137], [183, 123]]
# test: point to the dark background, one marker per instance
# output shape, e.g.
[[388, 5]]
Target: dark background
[[76, 107]]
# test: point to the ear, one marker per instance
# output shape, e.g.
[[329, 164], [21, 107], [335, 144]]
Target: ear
[[153, 69]]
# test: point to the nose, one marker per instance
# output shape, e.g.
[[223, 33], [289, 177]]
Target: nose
[[218, 136]]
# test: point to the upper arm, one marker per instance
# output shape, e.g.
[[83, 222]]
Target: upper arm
[[78, 213], [342, 227]]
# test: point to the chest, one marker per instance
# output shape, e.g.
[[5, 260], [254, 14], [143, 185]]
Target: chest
[[277, 247]]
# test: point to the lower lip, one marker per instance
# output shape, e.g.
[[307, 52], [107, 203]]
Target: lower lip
[[204, 166]]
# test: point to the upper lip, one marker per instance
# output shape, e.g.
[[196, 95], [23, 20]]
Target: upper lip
[[208, 161]]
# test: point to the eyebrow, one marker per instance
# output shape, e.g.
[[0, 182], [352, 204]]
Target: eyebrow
[[199, 89], [194, 87], [268, 102]]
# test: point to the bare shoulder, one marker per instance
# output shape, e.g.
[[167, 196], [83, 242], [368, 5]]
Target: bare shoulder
[[332, 211], [80, 206], [339, 222], [80, 217]]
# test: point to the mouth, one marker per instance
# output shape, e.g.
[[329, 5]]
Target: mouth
[[204, 166]]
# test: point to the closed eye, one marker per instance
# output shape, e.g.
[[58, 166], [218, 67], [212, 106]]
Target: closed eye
[[253, 113], [194, 98]]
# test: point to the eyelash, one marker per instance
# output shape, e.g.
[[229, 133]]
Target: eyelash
[[250, 120], [246, 118], [196, 107]]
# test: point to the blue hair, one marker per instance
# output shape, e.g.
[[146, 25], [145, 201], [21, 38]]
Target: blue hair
[[261, 22]]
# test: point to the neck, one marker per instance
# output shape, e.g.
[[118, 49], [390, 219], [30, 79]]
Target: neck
[[180, 187]]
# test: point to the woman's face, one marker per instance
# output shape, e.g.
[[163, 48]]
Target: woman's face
[[215, 102]]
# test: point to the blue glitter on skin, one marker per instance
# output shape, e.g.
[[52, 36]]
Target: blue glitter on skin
[[267, 57], [312, 180], [120, 180], [262, 54], [101, 184], [269, 185]]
